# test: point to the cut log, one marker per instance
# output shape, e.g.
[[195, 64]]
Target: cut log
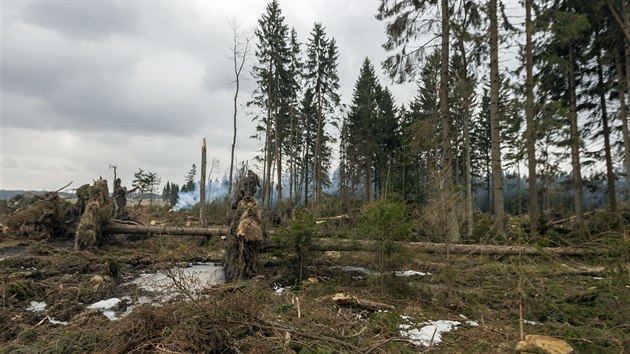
[[342, 299], [325, 244]]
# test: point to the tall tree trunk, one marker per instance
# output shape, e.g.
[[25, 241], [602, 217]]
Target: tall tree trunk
[[318, 142], [534, 212], [575, 139], [467, 159], [497, 172], [452, 227], [202, 186], [625, 12], [623, 112], [610, 175], [278, 153], [368, 181], [267, 164]]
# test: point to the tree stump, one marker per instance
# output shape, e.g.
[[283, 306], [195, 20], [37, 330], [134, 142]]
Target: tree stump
[[95, 217], [245, 234], [119, 198]]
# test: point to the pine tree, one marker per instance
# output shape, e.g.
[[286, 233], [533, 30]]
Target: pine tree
[[273, 54], [323, 81]]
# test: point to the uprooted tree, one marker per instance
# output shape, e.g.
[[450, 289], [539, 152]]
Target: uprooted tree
[[245, 233]]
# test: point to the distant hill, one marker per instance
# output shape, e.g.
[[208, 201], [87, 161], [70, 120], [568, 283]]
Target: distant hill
[[8, 194]]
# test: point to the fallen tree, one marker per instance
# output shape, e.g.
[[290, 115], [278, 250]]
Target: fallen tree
[[335, 244], [330, 244], [115, 228]]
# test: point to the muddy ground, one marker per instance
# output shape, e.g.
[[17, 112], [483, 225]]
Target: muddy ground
[[585, 301]]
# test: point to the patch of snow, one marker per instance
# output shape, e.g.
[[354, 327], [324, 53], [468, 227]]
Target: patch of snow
[[598, 278], [105, 304], [430, 333], [55, 322], [410, 273], [533, 323], [279, 289], [36, 306], [472, 323]]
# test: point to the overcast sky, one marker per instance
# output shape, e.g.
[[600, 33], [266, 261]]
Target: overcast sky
[[139, 83]]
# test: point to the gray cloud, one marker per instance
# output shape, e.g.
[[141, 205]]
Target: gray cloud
[[91, 20], [86, 84]]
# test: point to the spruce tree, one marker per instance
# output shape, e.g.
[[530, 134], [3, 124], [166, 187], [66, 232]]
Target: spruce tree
[[323, 81]]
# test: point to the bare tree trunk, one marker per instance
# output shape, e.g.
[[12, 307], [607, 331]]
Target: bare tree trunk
[[452, 226], [237, 56], [534, 212], [497, 172], [575, 139], [202, 186], [610, 175], [623, 112]]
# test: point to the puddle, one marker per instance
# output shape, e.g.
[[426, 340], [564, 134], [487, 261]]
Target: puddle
[[181, 281], [163, 286]]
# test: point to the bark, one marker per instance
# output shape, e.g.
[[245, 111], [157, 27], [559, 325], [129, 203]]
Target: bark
[[575, 140], [610, 175], [497, 172], [623, 111], [534, 212], [452, 228]]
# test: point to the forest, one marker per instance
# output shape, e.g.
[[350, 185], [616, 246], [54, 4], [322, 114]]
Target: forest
[[490, 214]]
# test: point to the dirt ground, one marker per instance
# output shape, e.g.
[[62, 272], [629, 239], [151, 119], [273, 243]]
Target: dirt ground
[[585, 301]]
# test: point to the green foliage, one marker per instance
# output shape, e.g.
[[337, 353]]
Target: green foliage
[[299, 233], [384, 221]]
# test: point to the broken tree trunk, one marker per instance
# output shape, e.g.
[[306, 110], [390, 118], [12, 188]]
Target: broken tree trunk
[[98, 212], [245, 234]]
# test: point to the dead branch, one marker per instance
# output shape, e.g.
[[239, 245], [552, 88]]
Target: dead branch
[[342, 299]]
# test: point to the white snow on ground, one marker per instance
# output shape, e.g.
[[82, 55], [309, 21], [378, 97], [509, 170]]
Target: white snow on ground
[[410, 273], [430, 332], [54, 321], [106, 306], [36, 306], [279, 289], [533, 323]]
